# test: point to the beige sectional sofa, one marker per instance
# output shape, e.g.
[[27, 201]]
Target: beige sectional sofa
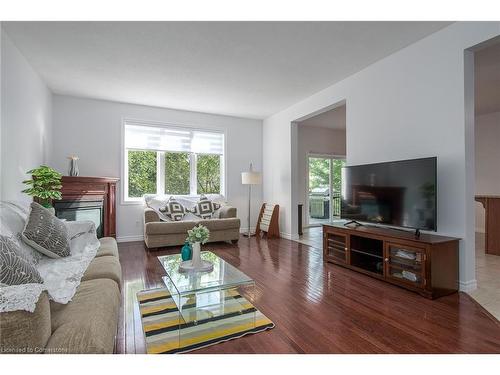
[[158, 233], [87, 324]]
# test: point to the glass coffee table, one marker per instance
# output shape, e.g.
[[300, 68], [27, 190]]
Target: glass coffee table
[[202, 297]]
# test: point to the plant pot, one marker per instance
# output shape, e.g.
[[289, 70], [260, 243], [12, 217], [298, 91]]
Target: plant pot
[[49, 207]]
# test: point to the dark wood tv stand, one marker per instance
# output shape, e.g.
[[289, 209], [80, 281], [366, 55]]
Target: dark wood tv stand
[[427, 264]]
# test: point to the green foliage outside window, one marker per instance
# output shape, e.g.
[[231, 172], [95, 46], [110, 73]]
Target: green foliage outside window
[[177, 173], [141, 173], [319, 173], [338, 164], [208, 173]]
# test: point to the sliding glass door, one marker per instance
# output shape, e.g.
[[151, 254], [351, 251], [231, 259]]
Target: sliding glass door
[[324, 188]]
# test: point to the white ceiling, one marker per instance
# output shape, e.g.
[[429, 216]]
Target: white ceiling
[[487, 80], [332, 119], [247, 69]]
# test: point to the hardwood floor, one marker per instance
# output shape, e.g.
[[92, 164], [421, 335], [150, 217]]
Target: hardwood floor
[[317, 307]]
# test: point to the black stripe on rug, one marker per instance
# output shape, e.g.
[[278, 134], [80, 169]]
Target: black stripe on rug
[[154, 299], [160, 312]]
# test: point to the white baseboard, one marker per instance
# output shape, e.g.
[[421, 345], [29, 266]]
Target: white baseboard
[[289, 236], [467, 286], [141, 237], [245, 230], [130, 238]]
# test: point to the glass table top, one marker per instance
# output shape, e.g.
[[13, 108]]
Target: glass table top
[[223, 276]]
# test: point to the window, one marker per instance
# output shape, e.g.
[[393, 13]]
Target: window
[[177, 173], [171, 160], [141, 173], [208, 173]]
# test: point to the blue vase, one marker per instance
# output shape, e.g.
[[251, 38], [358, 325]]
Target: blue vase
[[186, 252]]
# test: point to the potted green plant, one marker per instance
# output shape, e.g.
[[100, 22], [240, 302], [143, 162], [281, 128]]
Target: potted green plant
[[45, 185]]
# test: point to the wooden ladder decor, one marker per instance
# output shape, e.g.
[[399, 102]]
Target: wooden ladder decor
[[268, 221]]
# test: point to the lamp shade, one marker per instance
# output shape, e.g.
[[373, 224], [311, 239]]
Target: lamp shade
[[251, 178]]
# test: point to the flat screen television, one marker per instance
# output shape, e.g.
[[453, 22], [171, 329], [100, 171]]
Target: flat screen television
[[399, 193]]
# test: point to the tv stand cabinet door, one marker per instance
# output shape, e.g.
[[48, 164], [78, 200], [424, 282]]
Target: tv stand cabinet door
[[405, 265], [335, 247]]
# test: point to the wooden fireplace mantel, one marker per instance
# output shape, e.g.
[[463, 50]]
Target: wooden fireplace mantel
[[491, 204], [77, 188]]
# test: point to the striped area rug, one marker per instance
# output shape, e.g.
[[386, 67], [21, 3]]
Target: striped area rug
[[160, 322]]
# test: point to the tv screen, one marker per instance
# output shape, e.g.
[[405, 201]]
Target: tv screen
[[400, 193]]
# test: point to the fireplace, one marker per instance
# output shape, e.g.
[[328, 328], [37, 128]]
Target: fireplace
[[89, 198], [82, 211]]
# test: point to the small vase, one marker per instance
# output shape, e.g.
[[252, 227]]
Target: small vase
[[186, 251], [196, 256], [73, 167]]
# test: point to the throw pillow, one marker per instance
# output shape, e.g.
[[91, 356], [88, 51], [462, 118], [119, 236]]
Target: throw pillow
[[205, 208], [14, 269], [174, 210], [13, 217], [46, 233], [157, 202]]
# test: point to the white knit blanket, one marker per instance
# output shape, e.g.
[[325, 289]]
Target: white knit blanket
[[61, 276]]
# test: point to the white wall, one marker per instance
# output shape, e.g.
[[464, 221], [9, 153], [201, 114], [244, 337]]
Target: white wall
[[315, 140], [26, 120], [487, 148], [410, 104], [91, 129]]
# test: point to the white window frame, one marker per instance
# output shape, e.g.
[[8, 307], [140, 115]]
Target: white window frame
[[193, 186], [160, 162]]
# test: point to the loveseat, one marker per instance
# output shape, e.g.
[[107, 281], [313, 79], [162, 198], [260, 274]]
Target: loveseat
[[87, 324], [159, 231]]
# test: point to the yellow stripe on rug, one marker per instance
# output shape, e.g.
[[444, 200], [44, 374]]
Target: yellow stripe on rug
[[154, 294]]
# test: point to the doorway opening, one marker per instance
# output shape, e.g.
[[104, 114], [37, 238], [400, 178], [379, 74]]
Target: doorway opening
[[487, 175], [324, 195], [318, 155]]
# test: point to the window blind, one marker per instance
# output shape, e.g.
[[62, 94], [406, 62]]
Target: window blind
[[164, 138]]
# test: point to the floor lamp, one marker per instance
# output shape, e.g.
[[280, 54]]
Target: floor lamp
[[250, 178]]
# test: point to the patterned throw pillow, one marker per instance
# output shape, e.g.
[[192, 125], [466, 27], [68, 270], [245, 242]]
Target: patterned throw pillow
[[174, 210], [13, 217], [205, 208], [14, 269], [46, 233]]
